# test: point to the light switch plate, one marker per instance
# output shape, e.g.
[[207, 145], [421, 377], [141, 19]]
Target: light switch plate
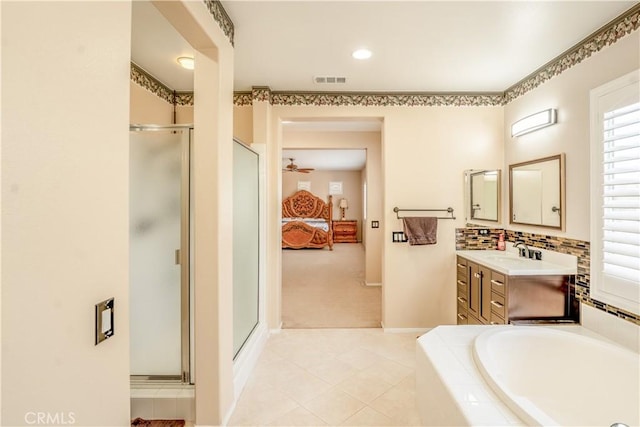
[[375, 224], [104, 320]]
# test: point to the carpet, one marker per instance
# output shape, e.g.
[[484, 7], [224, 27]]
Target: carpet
[[326, 289], [139, 422]]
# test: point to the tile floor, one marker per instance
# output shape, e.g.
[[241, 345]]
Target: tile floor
[[335, 377]]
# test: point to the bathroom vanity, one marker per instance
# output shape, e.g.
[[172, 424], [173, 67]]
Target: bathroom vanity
[[497, 287]]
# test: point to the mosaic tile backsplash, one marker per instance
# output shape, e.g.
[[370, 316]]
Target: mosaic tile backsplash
[[470, 237]]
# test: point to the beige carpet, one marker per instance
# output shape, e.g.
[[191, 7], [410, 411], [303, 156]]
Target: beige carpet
[[325, 289]]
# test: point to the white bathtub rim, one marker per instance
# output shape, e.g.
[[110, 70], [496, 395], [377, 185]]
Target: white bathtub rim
[[520, 405]]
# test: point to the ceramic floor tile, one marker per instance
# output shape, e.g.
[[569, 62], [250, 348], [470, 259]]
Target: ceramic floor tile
[[396, 403], [359, 358], [334, 406], [298, 417], [260, 405], [364, 388], [388, 371], [303, 387], [332, 371], [368, 417]]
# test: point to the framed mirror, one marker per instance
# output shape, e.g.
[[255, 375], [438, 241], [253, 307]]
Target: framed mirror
[[482, 194], [536, 192]]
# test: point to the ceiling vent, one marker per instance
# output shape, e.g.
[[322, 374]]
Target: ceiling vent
[[329, 79]]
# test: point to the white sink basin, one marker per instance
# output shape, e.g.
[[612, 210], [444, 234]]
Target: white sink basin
[[511, 264]]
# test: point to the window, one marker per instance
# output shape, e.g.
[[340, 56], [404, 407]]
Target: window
[[615, 192]]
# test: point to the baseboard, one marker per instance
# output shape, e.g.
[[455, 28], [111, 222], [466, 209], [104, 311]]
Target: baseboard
[[276, 330], [372, 284], [420, 331], [247, 359]]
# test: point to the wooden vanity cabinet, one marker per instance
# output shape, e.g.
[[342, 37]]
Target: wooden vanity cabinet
[[488, 297]]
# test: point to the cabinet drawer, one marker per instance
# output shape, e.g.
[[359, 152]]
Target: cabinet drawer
[[462, 298], [463, 318], [497, 304], [497, 283], [471, 320], [497, 320], [461, 283], [461, 265]]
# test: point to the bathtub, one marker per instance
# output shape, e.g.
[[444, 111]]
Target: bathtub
[[525, 375], [551, 377]]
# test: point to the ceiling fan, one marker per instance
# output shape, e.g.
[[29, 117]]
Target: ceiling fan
[[292, 167]]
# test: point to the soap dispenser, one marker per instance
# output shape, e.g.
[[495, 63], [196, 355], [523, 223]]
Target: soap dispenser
[[501, 244]]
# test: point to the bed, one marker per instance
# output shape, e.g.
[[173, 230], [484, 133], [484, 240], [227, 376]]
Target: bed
[[306, 221]]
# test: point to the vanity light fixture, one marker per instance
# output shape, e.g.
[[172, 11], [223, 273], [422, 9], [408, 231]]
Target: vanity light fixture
[[362, 54], [186, 62], [534, 122]]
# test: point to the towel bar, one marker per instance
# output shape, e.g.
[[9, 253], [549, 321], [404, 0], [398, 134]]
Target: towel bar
[[448, 210]]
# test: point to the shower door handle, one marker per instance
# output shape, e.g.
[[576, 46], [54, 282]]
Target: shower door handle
[[177, 257]]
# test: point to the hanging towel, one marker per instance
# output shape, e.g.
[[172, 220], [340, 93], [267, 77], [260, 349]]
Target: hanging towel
[[421, 230]]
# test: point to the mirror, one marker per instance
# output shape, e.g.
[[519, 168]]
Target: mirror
[[536, 192], [482, 194]]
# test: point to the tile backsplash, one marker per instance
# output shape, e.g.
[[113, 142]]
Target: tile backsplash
[[470, 238]]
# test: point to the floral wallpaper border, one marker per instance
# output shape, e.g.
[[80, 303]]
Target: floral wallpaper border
[[222, 18], [153, 85]]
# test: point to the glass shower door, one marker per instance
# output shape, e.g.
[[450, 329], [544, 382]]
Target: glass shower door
[[158, 256]]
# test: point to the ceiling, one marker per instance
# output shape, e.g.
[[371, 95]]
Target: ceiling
[[336, 160], [423, 46]]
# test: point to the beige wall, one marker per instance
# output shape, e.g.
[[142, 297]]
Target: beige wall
[[65, 145], [243, 124], [569, 93], [149, 109], [351, 190]]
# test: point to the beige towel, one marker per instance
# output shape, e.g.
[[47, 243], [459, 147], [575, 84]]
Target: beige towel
[[421, 230]]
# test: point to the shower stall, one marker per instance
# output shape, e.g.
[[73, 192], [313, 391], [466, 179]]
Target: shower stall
[[160, 246]]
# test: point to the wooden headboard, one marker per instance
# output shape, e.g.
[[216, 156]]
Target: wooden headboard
[[303, 204]]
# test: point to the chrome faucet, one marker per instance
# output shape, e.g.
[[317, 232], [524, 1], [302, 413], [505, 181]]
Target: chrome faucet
[[524, 251]]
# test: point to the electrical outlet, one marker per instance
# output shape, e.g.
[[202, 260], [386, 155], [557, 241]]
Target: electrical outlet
[[483, 232], [375, 224], [398, 237]]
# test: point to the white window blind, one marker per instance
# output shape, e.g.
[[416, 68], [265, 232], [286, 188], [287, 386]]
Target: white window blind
[[621, 193], [615, 192]]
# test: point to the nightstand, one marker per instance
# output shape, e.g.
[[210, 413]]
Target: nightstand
[[345, 231]]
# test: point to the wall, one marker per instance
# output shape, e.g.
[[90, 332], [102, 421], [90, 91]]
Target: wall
[[147, 108], [65, 144], [243, 124], [351, 189], [569, 93]]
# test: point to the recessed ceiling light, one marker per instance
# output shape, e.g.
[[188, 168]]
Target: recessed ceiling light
[[186, 62], [361, 54]]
